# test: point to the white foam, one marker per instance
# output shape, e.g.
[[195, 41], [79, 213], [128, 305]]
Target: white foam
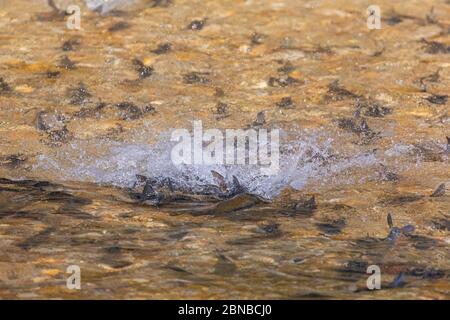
[[306, 156]]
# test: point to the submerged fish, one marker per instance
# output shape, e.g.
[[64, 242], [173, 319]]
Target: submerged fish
[[396, 232]]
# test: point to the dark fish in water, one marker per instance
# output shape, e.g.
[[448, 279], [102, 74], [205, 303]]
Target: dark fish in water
[[371, 109], [224, 266], [196, 77], [238, 202], [143, 70], [442, 224], [80, 94], [389, 221], [338, 93], [399, 281], [176, 269], [196, 24], [257, 38], [221, 111], [332, 227], [434, 47], [437, 99], [358, 126], [272, 228], [260, 119], [440, 191], [283, 81], [129, 111], [236, 187], [4, 86], [162, 48], [158, 191], [307, 205], [121, 25], [161, 3], [422, 242], [66, 63], [426, 273], [287, 68], [70, 45], [220, 181], [396, 232], [401, 200], [286, 103], [13, 161]]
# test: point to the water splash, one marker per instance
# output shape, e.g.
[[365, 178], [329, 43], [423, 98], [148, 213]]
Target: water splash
[[306, 156]]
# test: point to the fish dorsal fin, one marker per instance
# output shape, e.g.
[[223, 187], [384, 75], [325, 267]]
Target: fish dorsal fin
[[219, 180], [389, 221]]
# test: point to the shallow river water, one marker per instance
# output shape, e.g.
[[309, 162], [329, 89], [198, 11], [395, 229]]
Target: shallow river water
[[364, 124]]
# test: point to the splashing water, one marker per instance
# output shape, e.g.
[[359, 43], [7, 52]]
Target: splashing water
[[306, 156]]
